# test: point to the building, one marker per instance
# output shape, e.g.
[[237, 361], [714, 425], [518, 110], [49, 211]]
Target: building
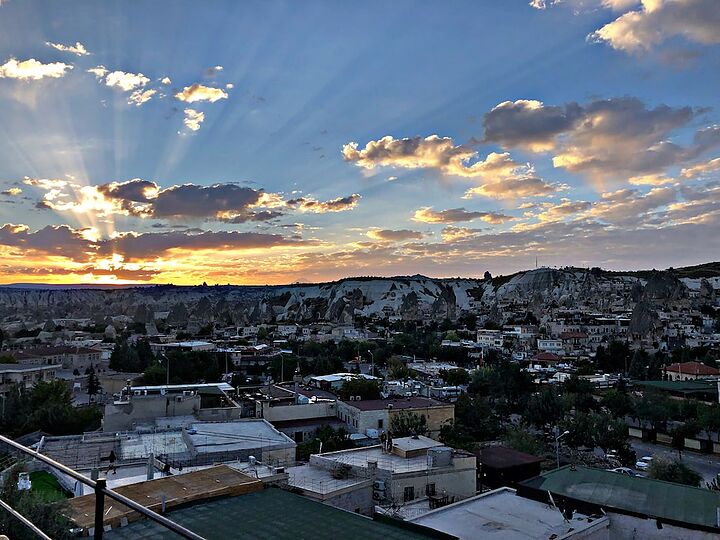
[[71, 357], [336, 380], [550, 345], [500, 466], [490, 338], [637, 507], [362, 415], [138, 405], [501, 514], [179, 442], [417, 468], [185, 346], [25, 374], [688, 371]]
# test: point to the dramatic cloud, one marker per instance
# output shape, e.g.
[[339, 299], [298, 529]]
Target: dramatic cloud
[[387, 235], [457, 215], [502, 177], [617, 137], [61, 241], [77, 49], [31, 69], [148, 246], [193, 119], [657, 21], [198, 92], [701, 169], [308, 204], [13, 191], [529, 123]]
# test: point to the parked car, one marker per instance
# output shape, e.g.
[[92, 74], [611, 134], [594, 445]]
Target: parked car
[[627, 471], [644, 463]]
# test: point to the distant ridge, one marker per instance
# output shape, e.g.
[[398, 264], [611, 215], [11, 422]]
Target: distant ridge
[[698, 271]]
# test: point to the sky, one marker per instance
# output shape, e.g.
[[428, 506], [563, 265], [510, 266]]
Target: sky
[[277, 142]]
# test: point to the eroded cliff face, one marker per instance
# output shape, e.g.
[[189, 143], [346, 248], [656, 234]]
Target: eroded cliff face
[[410, 298]]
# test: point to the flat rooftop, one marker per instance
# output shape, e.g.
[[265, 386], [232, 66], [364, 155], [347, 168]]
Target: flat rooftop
[[233, 436], [502, 515], [270, 513], [360, 457], [177, 490], [397, 403], [320, 481]]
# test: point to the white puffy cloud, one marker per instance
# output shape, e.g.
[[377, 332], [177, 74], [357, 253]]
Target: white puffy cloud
[[657, 21], [193, 119], [78, 49], [198, 92], [138, 97], [127, 82], [32, 69], [13, 191], [166, 81]]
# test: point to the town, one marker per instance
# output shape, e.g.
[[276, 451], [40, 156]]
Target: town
[[565, 403]]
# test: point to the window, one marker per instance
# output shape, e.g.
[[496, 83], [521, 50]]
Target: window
[[430, 490], [298, 436], [409, 494], [380, 424]]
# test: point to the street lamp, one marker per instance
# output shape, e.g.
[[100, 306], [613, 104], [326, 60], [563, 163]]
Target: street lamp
[[557, 446], [167, 369], [372, 363]]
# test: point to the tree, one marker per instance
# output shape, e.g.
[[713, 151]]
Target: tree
[[674, 471], [45, 510], [545, 408], [404, 424], [455, 377], [365, 388], [639, 365], [617, 402], [582, 430], [397, 370], [93, 384], [520, 439], [579, 394], [610, 433]]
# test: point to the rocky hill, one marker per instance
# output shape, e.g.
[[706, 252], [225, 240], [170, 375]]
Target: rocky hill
[[408, 297]]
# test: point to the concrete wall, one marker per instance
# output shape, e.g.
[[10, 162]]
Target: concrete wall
[[360, 421], [221, 414], [458, 481], [123, 416], [297, 412], [436, 417]]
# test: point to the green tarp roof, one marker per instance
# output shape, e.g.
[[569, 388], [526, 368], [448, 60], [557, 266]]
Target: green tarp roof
[[645, 496], [270, 513]]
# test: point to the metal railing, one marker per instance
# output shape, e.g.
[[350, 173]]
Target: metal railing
[[101, 491]]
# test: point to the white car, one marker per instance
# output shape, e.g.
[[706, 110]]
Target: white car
[[644, 463], [627, 471]]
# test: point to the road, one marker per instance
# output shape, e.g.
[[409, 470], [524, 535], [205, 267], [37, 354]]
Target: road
[[707, 465]]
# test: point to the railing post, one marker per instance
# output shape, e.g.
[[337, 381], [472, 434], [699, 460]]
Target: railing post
[[99, 507]]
